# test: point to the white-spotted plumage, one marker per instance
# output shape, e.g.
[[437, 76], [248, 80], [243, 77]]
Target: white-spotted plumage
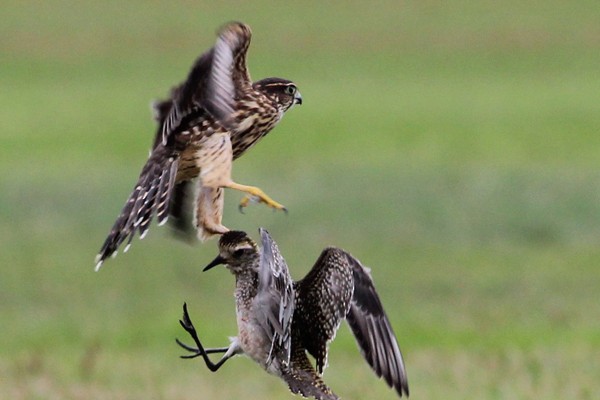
[[281, 321]]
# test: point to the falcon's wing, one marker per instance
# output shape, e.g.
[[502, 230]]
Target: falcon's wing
[[275, 298], [323, 301], [216, 79], [150, 196], [160, 111], [373, 330], [229, 77]]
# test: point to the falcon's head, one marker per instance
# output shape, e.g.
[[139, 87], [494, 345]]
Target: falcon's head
[[237, 250], [282, 92]]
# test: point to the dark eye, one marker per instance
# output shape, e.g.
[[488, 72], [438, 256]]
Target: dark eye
[[291, 90], [239, 252]]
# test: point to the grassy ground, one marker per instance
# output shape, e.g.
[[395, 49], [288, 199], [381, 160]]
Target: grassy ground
[[452, 147]]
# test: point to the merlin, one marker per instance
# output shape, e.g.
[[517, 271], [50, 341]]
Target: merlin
[[208, 121], [281, 321]]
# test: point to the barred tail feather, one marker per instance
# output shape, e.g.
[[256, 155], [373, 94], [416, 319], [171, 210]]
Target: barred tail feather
[[167, 182], [147, 209], [157, 197], [149, 197]]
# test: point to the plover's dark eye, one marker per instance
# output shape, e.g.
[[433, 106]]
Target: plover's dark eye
[[238, 253]]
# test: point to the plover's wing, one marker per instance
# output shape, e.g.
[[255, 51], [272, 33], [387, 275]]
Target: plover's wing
[[275, 298], [323, 300], [373, 331]]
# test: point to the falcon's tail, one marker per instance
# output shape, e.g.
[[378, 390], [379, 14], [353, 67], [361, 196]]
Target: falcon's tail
[[150, 196]]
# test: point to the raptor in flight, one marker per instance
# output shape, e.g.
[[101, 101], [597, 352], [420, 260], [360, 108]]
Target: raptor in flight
[[280, 321], [210, 119]]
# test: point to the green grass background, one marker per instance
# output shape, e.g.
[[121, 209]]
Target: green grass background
[[451, 146]]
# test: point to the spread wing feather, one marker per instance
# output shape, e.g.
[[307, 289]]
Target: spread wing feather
[[216, 79], [323, 301], [148, 198], [275, 298], [373, 331]]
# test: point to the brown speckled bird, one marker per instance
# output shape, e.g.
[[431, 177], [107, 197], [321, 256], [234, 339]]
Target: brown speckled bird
[[210, 120], [279, 320]]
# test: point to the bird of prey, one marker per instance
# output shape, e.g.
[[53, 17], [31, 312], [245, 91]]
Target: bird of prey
[[280, 321], [210, 119]]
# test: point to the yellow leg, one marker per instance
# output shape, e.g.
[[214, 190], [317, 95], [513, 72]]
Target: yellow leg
[[255, 193]]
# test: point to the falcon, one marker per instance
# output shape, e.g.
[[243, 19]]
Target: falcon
[[281, 321], [208, 121]]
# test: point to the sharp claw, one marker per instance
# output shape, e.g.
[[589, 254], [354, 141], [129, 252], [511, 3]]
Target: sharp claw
[[185, 346], [244, 203], [247, 200], [185, 325]]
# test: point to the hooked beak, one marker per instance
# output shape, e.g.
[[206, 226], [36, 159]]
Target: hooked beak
[[297, 98], [217, 261]]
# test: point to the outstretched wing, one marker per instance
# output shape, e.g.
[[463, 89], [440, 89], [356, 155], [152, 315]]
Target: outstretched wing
[[217, 78], [150, 196], [229, 77], [323, 300], [274, 301], [373, 330]]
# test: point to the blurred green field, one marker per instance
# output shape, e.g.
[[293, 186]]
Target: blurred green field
[[451, 146]]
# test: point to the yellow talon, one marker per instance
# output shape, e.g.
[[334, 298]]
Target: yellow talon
[[246, 201], [255, 195]]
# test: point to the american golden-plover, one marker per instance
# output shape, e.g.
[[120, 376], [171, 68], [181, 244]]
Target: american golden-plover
[[280, 321]]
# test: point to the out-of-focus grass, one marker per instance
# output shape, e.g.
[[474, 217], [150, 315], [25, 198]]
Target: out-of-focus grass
[[453, 147]]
